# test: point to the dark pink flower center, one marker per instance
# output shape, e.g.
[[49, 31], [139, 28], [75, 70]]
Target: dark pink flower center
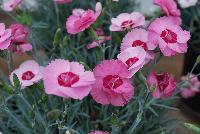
[[28, 75], [127, 23], [139, 43], [67, 79], [168, 36], [11, 5], [112, 81], [163, 81], [131, 61]]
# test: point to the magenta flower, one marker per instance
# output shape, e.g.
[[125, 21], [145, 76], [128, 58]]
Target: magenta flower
[[171, 38], [101, 39], [67, 79], [112, 85], [63, 1], [165, 84], [19, 39], [19, 32], [82, 19], [133, 58], [98, 132], [5, 35], [170, 9], [191, 86], [28, 73], [138, 37], [127, 21], [10, 5]]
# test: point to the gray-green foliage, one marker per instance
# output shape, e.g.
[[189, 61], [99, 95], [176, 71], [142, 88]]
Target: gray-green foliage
[[190, 20]]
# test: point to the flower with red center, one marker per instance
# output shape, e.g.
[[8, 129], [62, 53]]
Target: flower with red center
[[10, 5], [168, 36], [190, 87], [171, 38], [63, 1], [98, 132], [133, 58], [140, 43], [67, 79], [127, 21], [170, 9], [28, 73], [18, 39], [82, 19], [138, 37], [5, 35], [101, 39], [165, 84], [113, 84]]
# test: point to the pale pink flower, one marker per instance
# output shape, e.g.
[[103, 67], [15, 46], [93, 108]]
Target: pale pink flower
[[133, 58], [67, 79], [101, 39], [5, 35], [138, 37], [82, 19], [10, 5], [98, 132], [165, 84], [28, 73], [190, 87], [19, 39], [127, 21], [171, 38], [170, 9], [63, 1], [113, 84], [187, 3], [187, 93]]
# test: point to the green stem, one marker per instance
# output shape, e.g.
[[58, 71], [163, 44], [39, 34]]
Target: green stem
[[57, 14], [146, 98], [138, 119], [9, 61]]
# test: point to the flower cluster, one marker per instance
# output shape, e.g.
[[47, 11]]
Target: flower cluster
[[110, 82], [14, 38], [19, 41]]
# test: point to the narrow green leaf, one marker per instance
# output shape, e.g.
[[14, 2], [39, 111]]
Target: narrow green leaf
[[192, 127], [16, 81], [57, 37]]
